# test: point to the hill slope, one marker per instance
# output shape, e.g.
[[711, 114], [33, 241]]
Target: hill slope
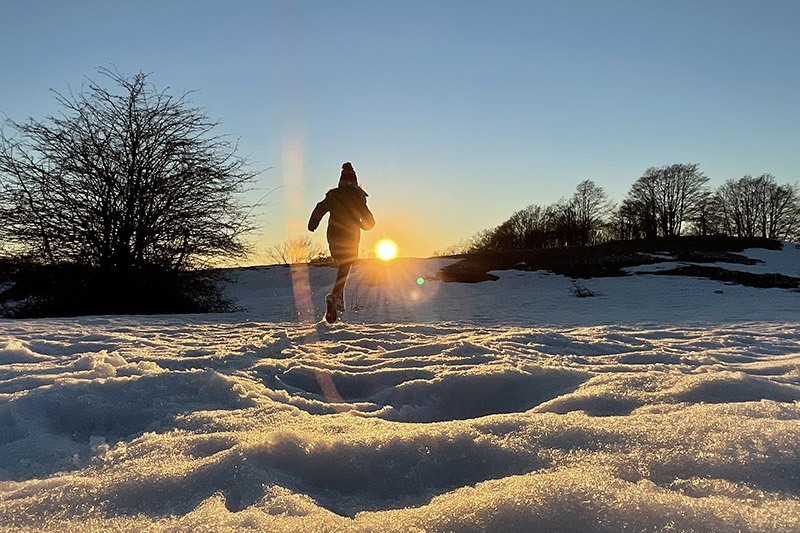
[[612, 259]]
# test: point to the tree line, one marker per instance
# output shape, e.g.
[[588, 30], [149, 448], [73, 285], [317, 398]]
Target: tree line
[[667, 201]]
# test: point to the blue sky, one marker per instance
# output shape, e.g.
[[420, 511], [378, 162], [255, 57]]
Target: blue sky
[[454, 113]]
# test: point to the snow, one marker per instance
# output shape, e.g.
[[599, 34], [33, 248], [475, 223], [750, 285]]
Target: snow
[[662, 403]]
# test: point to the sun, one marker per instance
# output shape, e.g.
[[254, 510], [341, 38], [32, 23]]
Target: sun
[[386, 250]]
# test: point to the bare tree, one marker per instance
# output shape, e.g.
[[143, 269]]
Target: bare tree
[[705, 220], [782, 220], [735, 207], [519, 231], [758, 207], [296, 250], [478, 242], [591, 208], [664, 198], [122, 180], [118, 201], [529, 228], [565, 223], [540, 227]]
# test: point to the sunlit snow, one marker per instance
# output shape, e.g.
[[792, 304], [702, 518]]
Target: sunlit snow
[[660, 403]]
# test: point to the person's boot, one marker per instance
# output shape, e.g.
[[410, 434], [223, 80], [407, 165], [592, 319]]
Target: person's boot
[[330, 312]]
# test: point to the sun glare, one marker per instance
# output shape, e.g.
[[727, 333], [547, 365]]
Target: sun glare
[[386, 250]]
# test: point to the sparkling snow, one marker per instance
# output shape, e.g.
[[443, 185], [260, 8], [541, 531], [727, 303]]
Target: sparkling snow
[[659, 404]]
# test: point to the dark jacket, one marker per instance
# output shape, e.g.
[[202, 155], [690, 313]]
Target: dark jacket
[[347, 205]]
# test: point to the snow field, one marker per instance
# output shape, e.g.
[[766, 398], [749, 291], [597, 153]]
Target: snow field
[[500, 406], [430, 427]]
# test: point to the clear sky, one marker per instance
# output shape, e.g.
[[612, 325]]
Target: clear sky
[[454, 113]]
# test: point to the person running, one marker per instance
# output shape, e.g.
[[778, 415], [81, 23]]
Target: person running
[[349, 214]]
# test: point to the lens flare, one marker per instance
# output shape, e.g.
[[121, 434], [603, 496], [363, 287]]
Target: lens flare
[[386, 250]]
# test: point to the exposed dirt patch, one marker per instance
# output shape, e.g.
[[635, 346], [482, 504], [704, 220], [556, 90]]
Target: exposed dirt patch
[[607, 260], [748, 279], [697, 256]]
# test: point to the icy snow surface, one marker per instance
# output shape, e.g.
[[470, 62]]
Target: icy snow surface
[[659, 404]]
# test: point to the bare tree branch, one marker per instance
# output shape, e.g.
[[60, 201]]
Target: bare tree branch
[[123, 178]]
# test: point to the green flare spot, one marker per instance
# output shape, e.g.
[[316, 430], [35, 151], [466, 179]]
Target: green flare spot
[[420, 281]]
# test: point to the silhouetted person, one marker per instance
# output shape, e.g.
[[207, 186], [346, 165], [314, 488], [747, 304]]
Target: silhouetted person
[[347, 205]]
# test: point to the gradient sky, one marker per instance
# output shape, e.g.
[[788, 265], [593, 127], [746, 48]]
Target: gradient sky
[[454, 113]]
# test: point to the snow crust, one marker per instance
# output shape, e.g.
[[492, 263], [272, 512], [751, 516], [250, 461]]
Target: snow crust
[[660, 404]]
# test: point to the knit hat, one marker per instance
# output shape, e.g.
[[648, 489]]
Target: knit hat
[[348, 176]]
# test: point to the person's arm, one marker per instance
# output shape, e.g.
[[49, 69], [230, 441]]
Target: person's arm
[[317, 214], [367, 220]]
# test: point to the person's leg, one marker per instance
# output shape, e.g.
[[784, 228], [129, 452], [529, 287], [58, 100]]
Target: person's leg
[[334, 302], [344, 253], [341, 280]]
